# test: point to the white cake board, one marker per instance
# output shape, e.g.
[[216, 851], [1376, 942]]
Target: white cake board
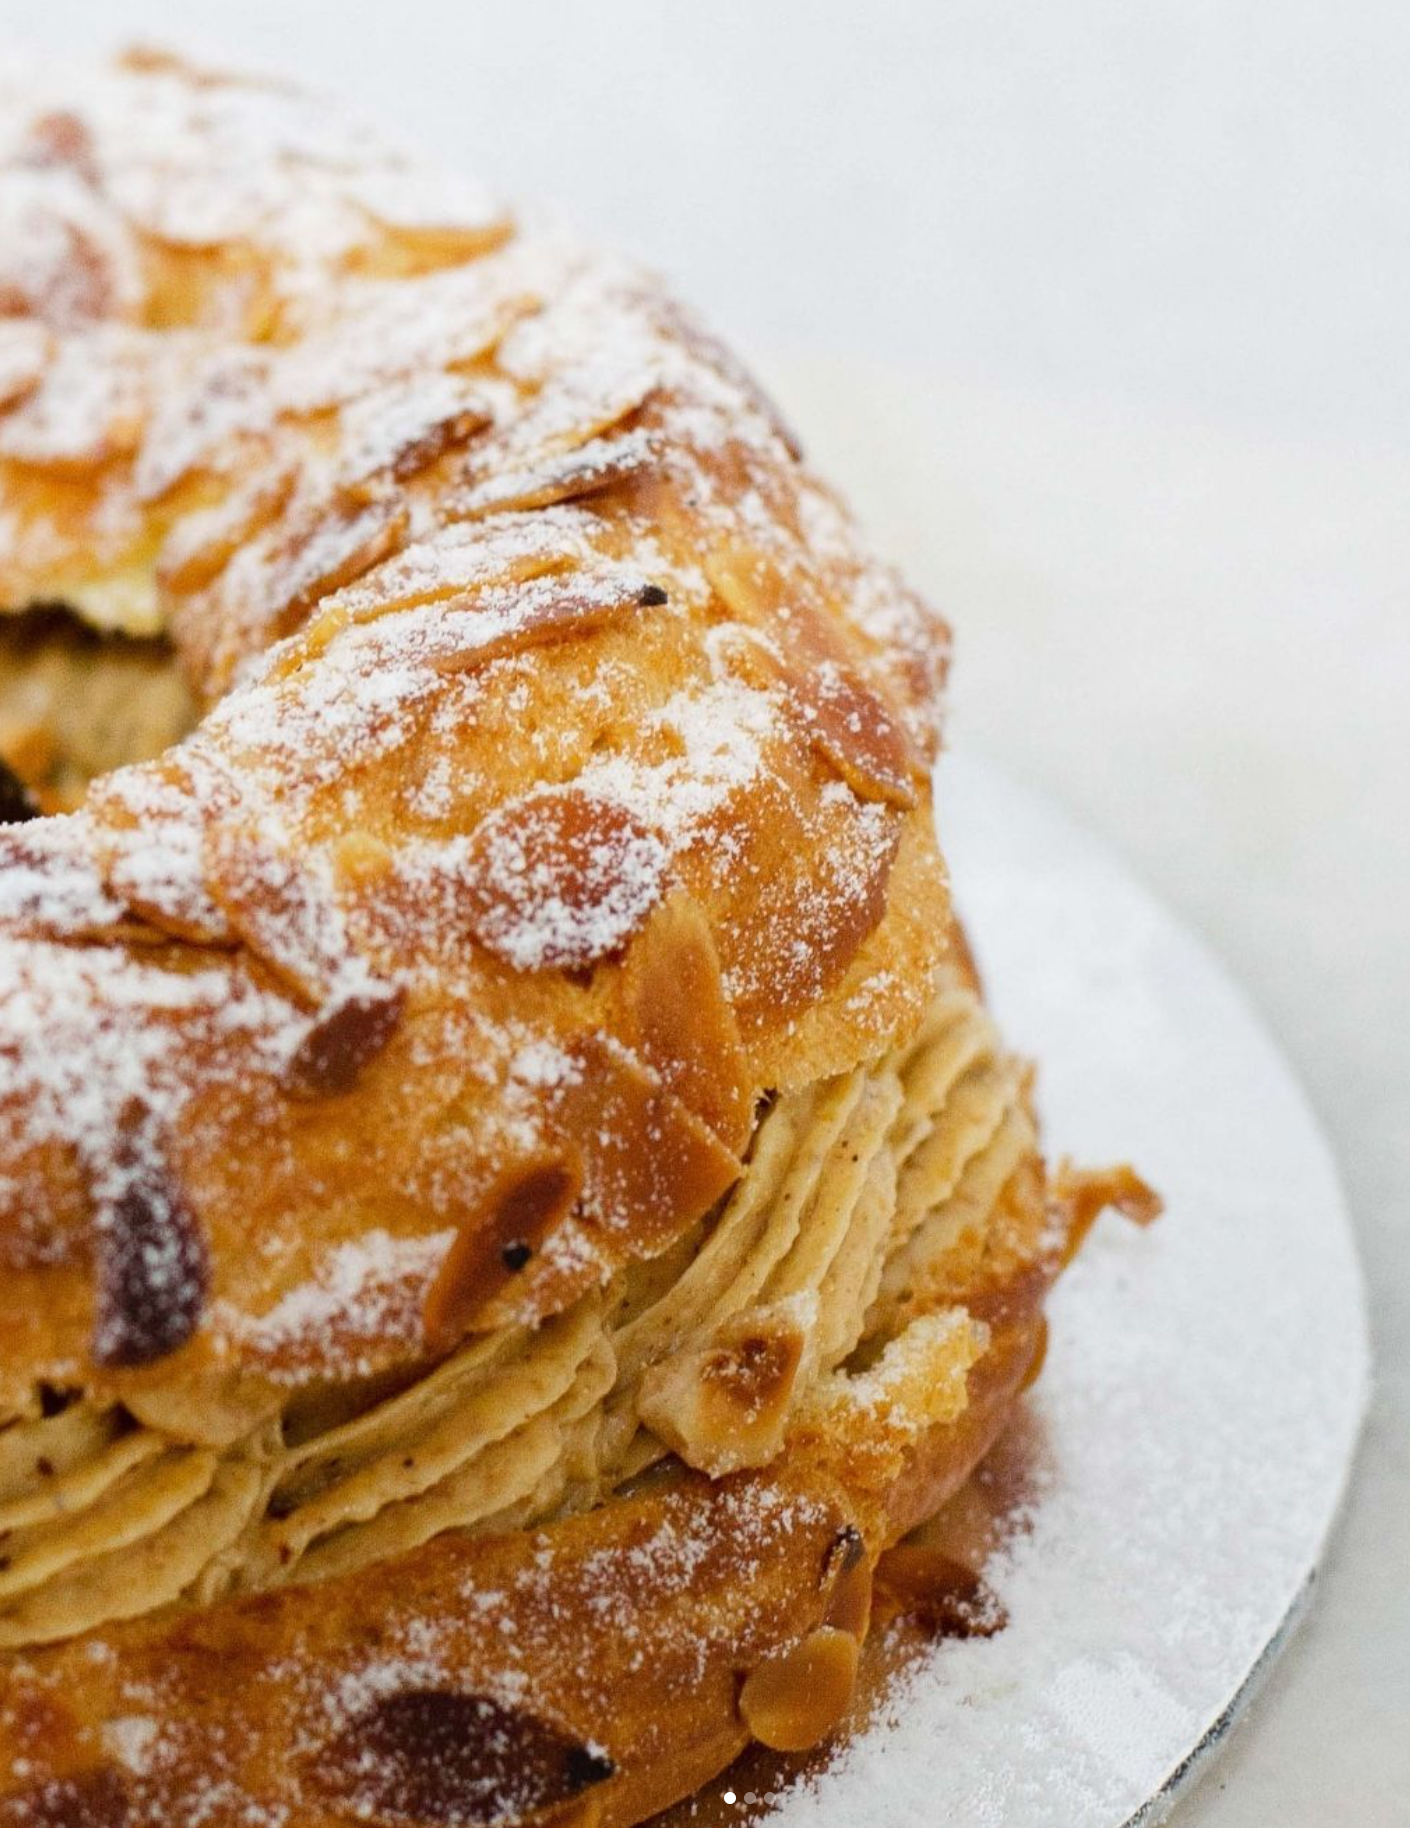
[[1204, 1388]]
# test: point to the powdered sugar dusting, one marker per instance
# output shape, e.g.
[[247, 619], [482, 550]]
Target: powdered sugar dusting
[[88, 1033], [227, 159], [359, 1289]]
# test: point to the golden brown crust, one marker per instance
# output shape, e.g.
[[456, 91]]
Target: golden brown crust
[[535, 663]]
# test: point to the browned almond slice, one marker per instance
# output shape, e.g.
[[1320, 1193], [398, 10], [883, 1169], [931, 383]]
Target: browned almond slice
[[201, 546], [790, 1702], [561, 879], [499, 1242], [274, 906], [682, 1023], [601, 464]]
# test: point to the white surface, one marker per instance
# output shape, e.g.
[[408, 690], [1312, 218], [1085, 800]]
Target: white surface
[[1204, 1383], [1109, 306]]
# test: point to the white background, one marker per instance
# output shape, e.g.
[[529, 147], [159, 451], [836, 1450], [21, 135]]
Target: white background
[[1101, 313]]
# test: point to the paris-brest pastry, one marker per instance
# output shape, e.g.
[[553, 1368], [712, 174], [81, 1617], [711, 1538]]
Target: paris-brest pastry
[[510, 1200]]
